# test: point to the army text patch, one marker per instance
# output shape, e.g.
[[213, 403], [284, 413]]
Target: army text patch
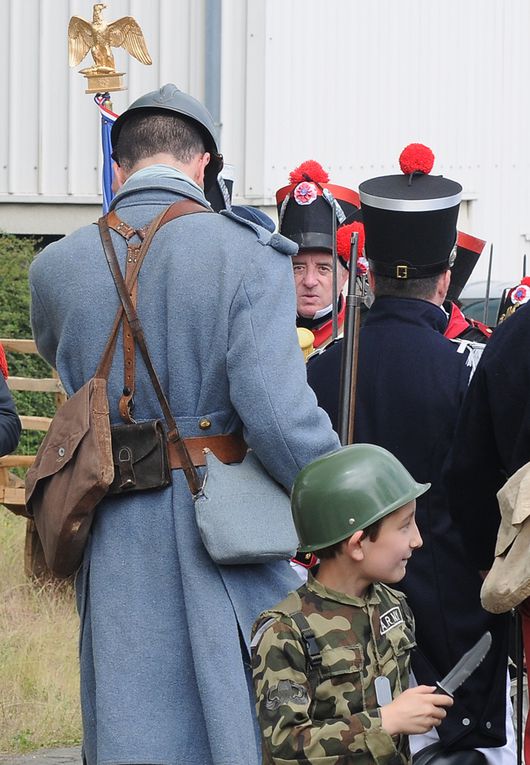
[[390, 619]]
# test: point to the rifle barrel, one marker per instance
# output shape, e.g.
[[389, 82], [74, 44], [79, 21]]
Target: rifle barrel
[[349, 351]]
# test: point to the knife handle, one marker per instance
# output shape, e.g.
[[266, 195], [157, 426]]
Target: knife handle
[[439, 689]]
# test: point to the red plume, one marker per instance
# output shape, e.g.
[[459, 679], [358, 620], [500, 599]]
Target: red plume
[[3, 362], [416, 158], [344, 240], [526, 281], [309, 171]]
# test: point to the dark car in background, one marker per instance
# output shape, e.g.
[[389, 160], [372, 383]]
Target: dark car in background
[[473, 300]]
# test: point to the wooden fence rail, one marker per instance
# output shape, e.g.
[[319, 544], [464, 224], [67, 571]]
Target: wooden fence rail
[[11, 486]]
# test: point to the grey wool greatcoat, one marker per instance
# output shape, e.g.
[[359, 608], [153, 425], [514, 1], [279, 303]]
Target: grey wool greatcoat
[[165, 631]]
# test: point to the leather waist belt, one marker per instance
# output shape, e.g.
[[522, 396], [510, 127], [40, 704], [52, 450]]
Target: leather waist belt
[[227, 448]]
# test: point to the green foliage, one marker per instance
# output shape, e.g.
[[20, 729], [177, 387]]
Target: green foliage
[[16, 254], [22, 741]]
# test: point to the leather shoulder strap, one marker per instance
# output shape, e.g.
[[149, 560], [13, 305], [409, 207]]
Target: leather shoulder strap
[[184, 207], [104, 365], [177, 209], [117, 224]]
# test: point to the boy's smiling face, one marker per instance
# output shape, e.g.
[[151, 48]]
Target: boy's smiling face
[[385, 558]]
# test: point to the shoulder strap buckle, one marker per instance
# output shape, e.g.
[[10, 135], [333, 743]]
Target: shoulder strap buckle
[[314, 656]]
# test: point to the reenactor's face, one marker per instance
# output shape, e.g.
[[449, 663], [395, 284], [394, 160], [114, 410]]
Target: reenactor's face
[[313, 276]]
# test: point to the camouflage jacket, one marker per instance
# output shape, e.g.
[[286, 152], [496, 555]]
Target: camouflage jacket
[[330, 715]]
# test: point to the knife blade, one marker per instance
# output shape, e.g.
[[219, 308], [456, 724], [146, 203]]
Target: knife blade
[[465, 666]]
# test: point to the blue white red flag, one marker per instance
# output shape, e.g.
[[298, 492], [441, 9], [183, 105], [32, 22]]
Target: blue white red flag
[[108, 118]]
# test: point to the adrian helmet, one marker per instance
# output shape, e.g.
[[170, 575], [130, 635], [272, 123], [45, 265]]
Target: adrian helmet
[[170, 98]]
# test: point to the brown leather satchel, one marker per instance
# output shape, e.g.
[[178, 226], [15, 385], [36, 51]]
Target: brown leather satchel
[[71, 474], [74, 468]]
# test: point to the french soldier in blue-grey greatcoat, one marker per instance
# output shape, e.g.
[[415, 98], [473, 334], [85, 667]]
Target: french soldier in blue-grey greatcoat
[[164, 630]]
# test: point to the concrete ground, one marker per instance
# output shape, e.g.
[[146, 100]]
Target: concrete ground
[[70, 756]]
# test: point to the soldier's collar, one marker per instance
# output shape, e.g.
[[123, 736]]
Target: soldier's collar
[[371, 597], [159, 171], [321, 316]]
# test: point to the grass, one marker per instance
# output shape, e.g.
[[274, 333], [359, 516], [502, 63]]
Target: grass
[[39, 678]]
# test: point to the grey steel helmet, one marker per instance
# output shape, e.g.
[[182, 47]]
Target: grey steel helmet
[[347, 490], [170, 98]]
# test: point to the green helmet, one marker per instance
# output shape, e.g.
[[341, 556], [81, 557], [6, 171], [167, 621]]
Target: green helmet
[[347, 490], [169, 97]]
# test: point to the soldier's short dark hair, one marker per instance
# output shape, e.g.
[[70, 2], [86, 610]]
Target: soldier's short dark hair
[[422, 289], [371, 531], [146, 133]]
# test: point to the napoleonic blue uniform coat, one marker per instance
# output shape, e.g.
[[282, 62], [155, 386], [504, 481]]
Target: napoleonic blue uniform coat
[[9, 421], [493, 435], [411, 384], [164, 629]]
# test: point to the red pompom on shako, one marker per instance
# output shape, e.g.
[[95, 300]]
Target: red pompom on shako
[[3, 362], [344, 242], [416, 158], [309, 171]]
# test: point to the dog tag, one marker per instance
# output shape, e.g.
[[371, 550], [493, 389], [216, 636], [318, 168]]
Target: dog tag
[[383, 691]]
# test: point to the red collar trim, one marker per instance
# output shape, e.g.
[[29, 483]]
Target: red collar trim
[[324, 332], [458, 324]]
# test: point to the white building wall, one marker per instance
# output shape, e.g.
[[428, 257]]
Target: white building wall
[[350, 83], [50, 156], [346, 82]]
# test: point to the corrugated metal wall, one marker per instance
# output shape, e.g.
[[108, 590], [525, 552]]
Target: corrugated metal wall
[[49, 137], [346, 82], [350, 83]]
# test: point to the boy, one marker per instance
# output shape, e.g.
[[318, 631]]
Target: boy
[[331, 661]]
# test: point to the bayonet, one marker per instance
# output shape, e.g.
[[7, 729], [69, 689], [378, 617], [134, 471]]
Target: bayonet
[[488, 287]]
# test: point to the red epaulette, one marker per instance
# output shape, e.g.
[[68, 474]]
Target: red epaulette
[[307, 560], [480, 327], [459, 325], [3, 362]]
